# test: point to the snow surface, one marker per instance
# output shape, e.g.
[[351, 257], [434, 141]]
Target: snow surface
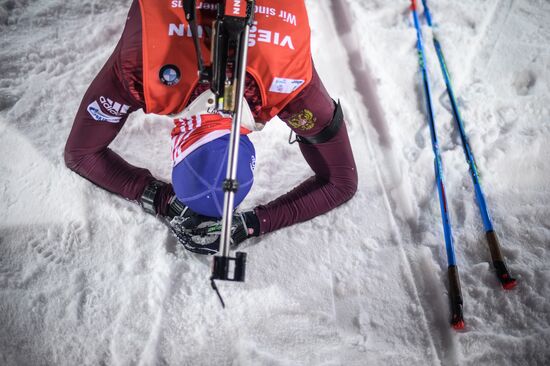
[[88, 278]]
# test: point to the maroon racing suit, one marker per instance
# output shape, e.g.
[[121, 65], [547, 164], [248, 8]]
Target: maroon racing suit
[[120, 81]]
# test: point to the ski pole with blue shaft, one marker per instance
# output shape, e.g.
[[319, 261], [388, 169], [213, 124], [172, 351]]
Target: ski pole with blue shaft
[[455, 293], [504, 276]]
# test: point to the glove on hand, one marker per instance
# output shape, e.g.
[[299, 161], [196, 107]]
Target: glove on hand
[[201, 234], [197, 233]]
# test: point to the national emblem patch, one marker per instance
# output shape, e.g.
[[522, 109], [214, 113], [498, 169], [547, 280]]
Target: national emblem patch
[[304, 120]]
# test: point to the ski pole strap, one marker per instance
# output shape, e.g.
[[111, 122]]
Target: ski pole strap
[[328, 132], [189, 8], [215, 288], [190, 11]]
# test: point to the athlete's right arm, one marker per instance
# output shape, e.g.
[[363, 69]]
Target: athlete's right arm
[[114, 93]]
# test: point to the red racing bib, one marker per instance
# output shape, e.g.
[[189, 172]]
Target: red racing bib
[[279, 55]]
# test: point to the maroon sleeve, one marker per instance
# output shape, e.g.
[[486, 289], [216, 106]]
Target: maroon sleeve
[[335, 179], [114, 93]]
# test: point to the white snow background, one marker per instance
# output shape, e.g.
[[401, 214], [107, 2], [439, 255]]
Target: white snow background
[[88, 278]]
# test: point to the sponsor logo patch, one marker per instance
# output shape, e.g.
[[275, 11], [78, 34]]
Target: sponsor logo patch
[[95, 111], [257, 35], [285, 86], [169, 75], [115, 108], [107, 110], [305, 120]]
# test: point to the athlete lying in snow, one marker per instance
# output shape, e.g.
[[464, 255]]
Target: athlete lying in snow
[[154, 67]]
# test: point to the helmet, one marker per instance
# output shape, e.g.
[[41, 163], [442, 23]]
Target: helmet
[[198, 178]]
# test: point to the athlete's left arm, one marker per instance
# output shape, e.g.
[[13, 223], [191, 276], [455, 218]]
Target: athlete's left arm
[[335, 179]]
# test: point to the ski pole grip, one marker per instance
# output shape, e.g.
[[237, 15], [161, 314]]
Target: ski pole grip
[[455, 297]]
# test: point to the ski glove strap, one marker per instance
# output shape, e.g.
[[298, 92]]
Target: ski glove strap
[[175, 207], [328, 132]]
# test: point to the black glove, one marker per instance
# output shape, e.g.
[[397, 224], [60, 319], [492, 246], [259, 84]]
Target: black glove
[[197, 233], [184, 225], [201, 234]]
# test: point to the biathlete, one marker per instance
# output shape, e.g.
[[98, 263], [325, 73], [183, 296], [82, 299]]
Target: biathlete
[[154, 67]]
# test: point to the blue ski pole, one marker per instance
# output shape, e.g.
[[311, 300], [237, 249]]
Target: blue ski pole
[[499, 264], [455, 293]]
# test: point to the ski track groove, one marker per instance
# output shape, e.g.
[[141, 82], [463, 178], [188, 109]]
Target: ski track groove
[[345, 19], [480, 41], [508, 11]]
